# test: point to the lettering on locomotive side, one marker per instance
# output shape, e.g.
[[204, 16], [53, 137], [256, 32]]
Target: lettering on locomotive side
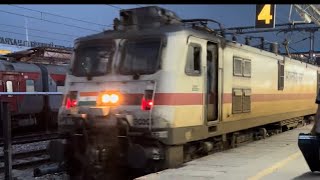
[[195, 88], [293, 76]]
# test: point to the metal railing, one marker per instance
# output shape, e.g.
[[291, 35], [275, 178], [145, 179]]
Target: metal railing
[[31, 93]]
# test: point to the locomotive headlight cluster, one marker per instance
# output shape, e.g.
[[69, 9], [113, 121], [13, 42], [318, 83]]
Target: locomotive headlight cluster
[[108, 98]]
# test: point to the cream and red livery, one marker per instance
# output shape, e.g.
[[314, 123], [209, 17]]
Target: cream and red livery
[[157, 90]]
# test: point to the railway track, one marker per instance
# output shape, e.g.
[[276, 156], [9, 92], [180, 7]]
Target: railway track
[[28, 159], [30, 138], [32, 157]]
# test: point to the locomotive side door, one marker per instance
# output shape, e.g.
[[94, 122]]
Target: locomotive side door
[[211, 94], [10, 83], [194, 70]]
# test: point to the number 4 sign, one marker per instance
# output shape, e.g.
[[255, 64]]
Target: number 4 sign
[[265, 16]]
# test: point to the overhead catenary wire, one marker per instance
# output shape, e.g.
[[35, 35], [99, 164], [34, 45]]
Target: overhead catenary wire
[[300, 33], [36, 36], [39, 30], [114, 6], [57, 15], [49, 21]]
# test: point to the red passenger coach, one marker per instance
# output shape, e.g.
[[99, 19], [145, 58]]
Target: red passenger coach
[[56, 75], [22, 77], [33, 70]]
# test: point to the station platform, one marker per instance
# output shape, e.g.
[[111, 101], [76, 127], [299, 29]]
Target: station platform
[[275, 158]]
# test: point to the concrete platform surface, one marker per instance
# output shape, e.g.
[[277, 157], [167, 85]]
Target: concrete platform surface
[[275, 158]]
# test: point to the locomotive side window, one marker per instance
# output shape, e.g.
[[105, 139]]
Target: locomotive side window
[[280, 76], [241, 67], [247, 68], [30, 86], [237, 66], [193, 66]]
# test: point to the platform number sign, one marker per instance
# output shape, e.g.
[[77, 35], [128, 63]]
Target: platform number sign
[[265, 16]]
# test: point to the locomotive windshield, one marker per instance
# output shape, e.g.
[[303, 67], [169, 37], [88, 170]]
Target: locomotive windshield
[[93, 60], [140, 57]]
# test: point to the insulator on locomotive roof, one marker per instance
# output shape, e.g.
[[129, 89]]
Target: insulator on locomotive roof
[[234, 38], [145, 17], [247, 41], [274, 47]]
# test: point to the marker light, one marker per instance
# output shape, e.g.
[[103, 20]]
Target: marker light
[[147, 102], [71, 99]]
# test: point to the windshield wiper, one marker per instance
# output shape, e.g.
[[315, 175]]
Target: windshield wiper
[[87, 68]]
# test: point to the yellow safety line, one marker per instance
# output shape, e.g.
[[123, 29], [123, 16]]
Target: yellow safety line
[[275, 167]]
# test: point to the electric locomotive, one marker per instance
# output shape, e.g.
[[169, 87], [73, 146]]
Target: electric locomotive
[[157, 91]]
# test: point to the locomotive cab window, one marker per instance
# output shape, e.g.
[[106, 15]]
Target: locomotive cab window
[[30, 86], [93, 59], [193, 65], [140, 57]]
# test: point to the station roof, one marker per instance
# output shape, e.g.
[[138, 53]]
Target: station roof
[[43, 55]]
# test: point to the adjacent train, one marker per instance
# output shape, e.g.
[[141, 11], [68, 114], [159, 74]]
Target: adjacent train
[[157, 91], [36, 111]]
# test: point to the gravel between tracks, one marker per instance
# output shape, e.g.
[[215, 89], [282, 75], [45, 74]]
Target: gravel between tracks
[[18, 148], [27, 174]]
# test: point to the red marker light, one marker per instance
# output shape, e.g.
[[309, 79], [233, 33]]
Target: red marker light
[[150, 103], [146, 104], [71, 100], [71, 103]]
